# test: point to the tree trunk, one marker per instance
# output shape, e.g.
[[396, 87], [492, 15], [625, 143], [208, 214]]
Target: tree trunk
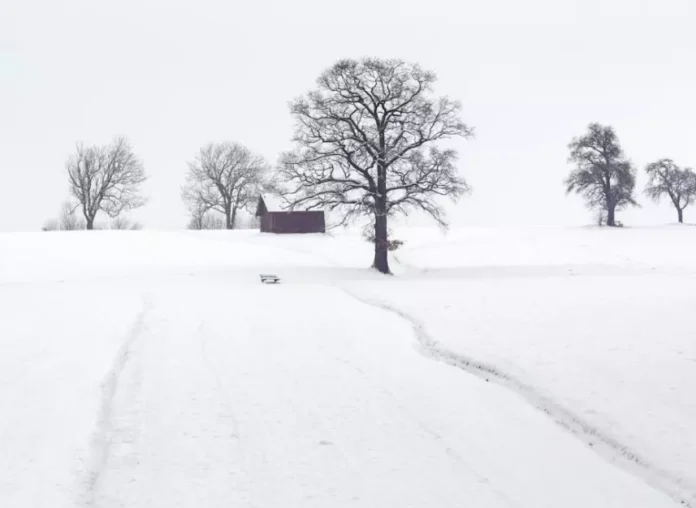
[[381, 262], [90, 224], [609, 201], [233, 219], [229, 221], [681, 215]]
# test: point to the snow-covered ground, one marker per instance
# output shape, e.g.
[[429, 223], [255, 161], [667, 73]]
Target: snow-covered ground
[[148, 369]]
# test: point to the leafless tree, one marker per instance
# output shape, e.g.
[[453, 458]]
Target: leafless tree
[[106, 178], [197, 209], [124, 224], [602, 174], [210, 220], [214, 220], [224, 177], [668, 179], [366, 146], [68, 220], [194, 224]]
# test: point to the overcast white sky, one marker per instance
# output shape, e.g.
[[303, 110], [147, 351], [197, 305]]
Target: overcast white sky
[[172, 75]]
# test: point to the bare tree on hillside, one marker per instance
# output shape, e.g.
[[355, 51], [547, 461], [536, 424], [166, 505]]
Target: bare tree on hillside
[[668, 179], [209, 220], [200, 213], [197, 208], [124, 224], [224, 177], [106, 178], [603, 174], [68, 220], [367, 146], [214, 220]]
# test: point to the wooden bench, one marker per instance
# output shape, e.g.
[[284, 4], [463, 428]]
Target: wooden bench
[[269, 279]]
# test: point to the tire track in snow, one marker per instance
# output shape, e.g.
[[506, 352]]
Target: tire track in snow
[[216, 374], [418, 422], [608, 447], [100, 442]]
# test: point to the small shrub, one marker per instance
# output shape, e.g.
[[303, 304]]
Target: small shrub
[[392, 244]]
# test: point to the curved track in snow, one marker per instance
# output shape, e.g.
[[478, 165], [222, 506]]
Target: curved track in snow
[[607, 446]]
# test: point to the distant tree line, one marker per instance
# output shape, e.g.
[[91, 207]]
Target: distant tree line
[[607, 179]]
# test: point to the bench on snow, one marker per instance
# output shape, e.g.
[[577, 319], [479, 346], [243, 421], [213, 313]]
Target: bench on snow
[[269, 279]]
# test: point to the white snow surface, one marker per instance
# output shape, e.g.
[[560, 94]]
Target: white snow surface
[[537, 367]]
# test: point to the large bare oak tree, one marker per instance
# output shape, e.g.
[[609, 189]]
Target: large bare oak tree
[[367, 146], [602, 174], [668, 179], [106, 178], [224, 177]]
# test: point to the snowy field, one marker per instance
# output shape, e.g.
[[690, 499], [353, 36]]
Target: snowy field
[[537, 367]]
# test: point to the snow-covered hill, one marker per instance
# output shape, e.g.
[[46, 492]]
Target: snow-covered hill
[[537, 367]]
